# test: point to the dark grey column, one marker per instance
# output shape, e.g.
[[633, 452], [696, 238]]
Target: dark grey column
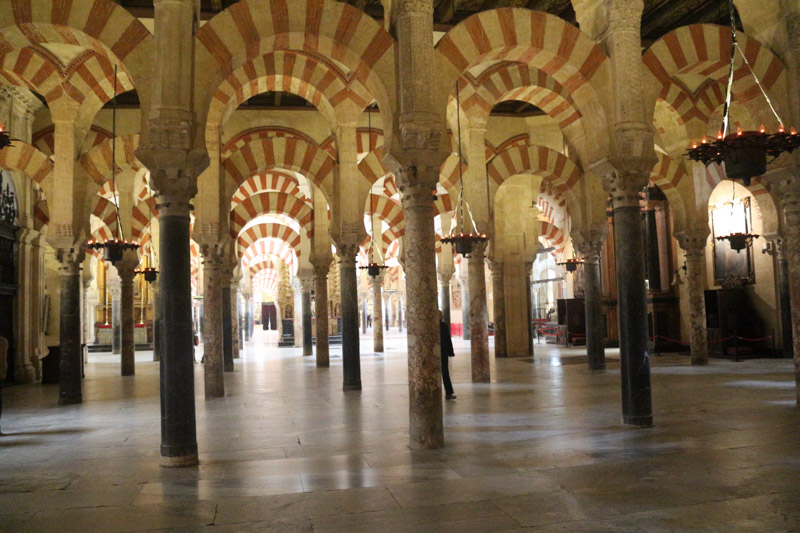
[[782, 266], [116, 316], [156, 322], [351, 355], [178, 426], [227, 332], [400, 314], [212, 324], [528, 291], [126, 269], [321, 268], [632, 297], [69, 385], [444, 296], [499, 308], [306, 314], [593, 304], [387, 315]]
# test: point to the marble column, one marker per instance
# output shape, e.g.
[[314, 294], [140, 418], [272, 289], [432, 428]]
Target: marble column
[[400, 314], [784, 299], [321, 269], [593, 303], [426, 428], [377, 314], [126, 269], [28, 301], [465, 321], [478, 316], [632, 308], [227, 333], [297, 317], [387, 313], [694, 245], [499, 307], [351, 356], [213, 365], [444, 296], [70, 367], [305, 313], [178, 426], [234, 296], [115, 288], [529, 296], [364, 312], [156, 321]]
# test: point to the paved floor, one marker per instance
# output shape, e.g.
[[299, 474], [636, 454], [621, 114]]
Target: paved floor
[[539, 449]]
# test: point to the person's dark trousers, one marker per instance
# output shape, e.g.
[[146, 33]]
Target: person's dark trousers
[[448, 385]]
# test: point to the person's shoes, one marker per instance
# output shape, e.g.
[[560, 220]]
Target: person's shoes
[[451, 397]]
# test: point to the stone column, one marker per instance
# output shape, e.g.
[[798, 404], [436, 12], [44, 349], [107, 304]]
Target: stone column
[[478, 316], [424, 362], [126, 268], [321, 311], [444, 296], [377, 314], [28, 301], [115, 288], [297, 318], [213, 269], [499, 306], [784, 299], [227, 330], [351, 356], [387, 312], [70, 330], [593, 303], [156, 321], [306, 334], [694, 245], [631, 161], [234, 296]]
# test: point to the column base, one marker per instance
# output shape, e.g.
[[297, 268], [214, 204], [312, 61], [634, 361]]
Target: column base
[[69, 400], [699, 361], [179, 461], [598, 369], [352, 386], [228, 368], [638, 421], [323, 365]]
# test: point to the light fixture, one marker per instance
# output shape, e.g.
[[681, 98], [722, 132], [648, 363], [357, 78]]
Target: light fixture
[[373, 268], [149, 272], [744, 152], [5, 138], [738, 240], [463, 242], [571, 265], [114, 249]]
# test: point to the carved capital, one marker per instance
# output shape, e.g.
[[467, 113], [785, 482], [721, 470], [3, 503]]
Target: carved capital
[[693, 242], [625, 15], [70, 260], [347, 253], [590, 250]]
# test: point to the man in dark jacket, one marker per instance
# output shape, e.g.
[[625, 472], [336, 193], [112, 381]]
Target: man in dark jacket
[[447, 353]]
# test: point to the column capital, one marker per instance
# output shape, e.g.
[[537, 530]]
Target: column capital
[[445, 277], [784, 183], [625, 15], [70, 260], [589, 249], [347, 252], [321, 268], [693, 242], [214, 256]]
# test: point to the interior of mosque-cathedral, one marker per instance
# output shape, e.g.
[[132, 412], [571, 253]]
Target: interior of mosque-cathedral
[[262, 153]]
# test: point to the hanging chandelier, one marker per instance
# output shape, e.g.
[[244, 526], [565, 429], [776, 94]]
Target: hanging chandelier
[[149, 272], [5, 138], [373, 268], [463, 242], [114, 249], [571, 265], [738, 240], [744, 152]]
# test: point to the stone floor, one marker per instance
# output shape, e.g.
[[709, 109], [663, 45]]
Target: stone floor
[[539, 449]]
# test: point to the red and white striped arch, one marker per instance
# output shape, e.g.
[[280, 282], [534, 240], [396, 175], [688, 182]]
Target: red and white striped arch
[[260, 132], [29, 161], [105, 211], [143, 213], [518, 81], [556, 168], [265, 279], [271, 230], [449, 174], [97, 161], [270, 202], [388, 211], [553, 236], [538, 39], [703, 51], [273, 181], [268, 247], [45, 139], [286, 153]]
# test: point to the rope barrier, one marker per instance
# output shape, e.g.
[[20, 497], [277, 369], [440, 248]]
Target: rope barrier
[[754, 340]]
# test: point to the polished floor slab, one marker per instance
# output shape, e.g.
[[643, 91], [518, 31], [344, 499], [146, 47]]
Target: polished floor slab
[[541, 448]]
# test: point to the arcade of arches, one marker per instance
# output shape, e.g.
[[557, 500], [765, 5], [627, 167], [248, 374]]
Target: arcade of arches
[[263, 150]]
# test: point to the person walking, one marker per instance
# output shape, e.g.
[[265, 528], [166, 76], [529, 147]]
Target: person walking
[[3, 369], [447, 352]]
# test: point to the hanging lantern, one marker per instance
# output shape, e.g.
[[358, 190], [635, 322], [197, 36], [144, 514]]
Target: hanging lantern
[[571, 265], [5, 138], [739, 241], [113, 249], [463, 243], [744, 153], [373, 269], [150, 273]]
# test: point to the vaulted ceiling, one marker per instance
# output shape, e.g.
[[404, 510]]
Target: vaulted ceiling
[[660, 16]]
